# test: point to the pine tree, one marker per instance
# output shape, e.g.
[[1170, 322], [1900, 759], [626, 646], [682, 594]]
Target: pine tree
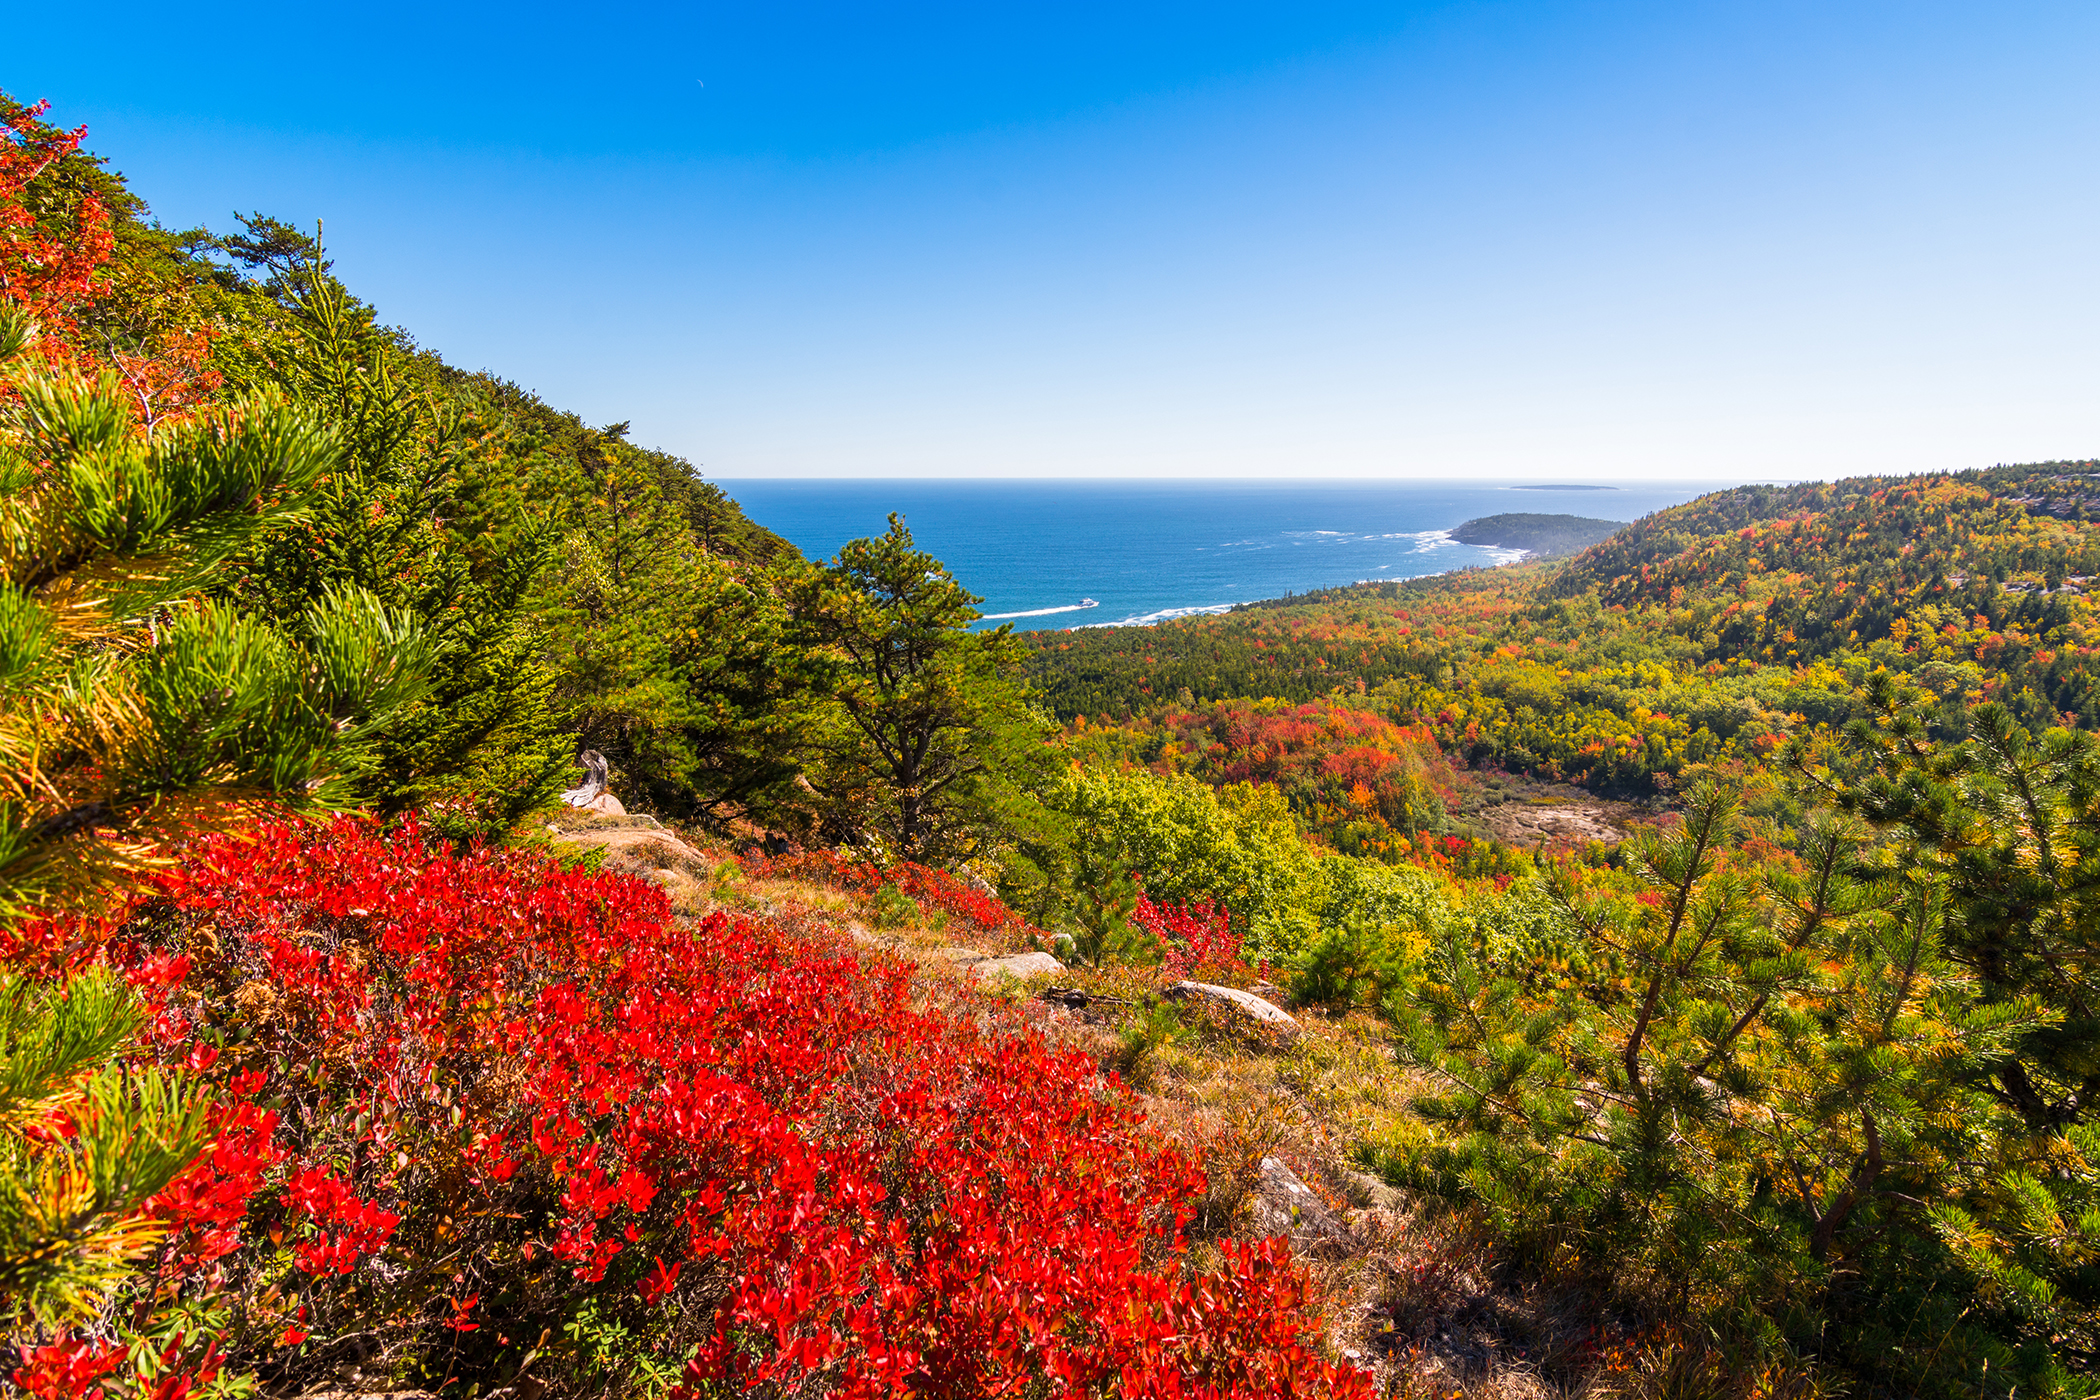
[[130, 712], [1734, 1074], [933, 746], [424, 512], [2005, 824], [133, 714], [70, 1226]]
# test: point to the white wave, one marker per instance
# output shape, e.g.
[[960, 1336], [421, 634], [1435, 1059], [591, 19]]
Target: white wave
[[1428, 540], [1164, 615], [1081, 606]]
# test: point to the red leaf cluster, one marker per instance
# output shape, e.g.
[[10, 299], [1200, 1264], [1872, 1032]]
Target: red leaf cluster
[[461, 1092], [58, 260], [48, 255], [1195, 937], [923, 883]]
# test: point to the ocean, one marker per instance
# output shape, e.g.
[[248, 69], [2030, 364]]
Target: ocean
[[1127, 553]]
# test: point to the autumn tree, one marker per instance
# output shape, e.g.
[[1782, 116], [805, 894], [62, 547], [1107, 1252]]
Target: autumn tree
[[55, 223]]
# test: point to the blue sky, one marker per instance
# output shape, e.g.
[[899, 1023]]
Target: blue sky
[[1551, 241]]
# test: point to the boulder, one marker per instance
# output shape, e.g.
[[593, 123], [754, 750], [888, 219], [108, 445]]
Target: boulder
[[1021, 966], [1265, 1016], [1284, 1205], [649, 846], [642, 846], [986, 967]]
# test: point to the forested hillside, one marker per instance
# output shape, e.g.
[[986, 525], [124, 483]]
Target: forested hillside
[[1544, 535], [1864, 705], [1667, 971]]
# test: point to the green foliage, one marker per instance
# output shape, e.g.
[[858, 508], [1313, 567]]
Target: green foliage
[[1188, 843], [1738, 1073], [69, 1224], [930, 747], [1151, 1026], [1359, 962], [129, 711], [612, 1359], [675, 661], [890, 907], [2002, 823], [411, 516]]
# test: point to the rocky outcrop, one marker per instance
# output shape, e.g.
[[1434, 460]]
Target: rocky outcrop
[[641, 845], [989, 968]]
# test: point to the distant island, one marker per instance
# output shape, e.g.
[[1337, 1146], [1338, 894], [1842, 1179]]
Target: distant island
[[1544, 535], [1563, 488]]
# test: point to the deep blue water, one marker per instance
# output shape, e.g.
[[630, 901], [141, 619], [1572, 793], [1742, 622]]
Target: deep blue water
[[1145, 551]]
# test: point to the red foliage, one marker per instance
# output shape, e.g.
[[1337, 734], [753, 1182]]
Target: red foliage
[[74, 1368], [462, 1092], [68, 1367], [923, 883], [48, 255], [56, 248], [1196, 937], [172, 380]]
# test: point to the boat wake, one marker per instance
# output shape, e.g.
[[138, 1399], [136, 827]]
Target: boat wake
[[1081, 606]]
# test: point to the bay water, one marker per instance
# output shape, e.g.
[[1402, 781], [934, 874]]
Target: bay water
[[1126, 553]]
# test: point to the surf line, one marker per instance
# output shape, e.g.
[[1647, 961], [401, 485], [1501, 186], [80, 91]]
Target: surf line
[[1082, 605]]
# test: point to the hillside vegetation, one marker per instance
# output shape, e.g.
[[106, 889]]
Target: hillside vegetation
[[1688, 948]]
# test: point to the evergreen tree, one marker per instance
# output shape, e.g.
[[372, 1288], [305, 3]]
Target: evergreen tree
[[426, 513], [130, 712], [2005, 824], [932, 749], [1740, 1076], [673, 658], [70, 1225]]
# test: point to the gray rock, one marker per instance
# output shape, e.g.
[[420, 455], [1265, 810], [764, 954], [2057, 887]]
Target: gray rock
[[1020, 966], [1284, 1205], [1265, 1014]]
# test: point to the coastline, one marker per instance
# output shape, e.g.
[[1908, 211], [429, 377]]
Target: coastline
[[1176, 614]]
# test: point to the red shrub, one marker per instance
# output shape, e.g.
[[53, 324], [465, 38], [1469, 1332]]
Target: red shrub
[[922, 882], [463, 1096], [1197, 938]]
